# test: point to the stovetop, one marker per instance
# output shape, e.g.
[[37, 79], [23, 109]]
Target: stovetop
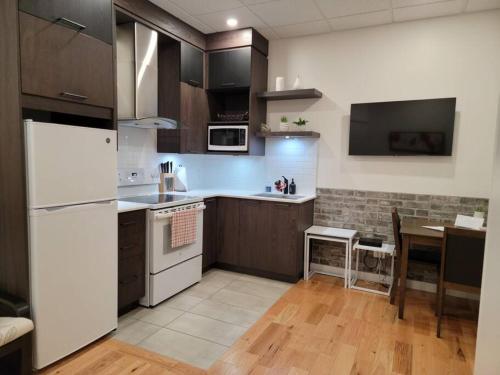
[[159, 199]]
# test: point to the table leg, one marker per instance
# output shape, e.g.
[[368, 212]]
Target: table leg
[[306, 258], [404, 272]]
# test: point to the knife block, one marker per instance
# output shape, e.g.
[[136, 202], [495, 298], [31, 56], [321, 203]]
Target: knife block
[[167, 182]]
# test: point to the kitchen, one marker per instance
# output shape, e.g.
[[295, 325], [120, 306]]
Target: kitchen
[[165, 178]]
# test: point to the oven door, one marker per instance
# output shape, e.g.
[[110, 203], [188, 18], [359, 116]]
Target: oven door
[[162, 255], [228, 138]]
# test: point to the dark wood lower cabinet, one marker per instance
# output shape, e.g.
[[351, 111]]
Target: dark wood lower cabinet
[[228, 227], [209, 233], [263, 238], [131, 257]]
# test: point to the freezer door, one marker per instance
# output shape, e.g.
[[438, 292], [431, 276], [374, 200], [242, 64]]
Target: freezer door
[[73, 277], [69, 164]]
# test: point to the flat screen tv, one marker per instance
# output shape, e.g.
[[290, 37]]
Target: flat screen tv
[[411, 127]]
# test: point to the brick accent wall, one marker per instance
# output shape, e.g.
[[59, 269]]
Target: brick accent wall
[[369, 212]]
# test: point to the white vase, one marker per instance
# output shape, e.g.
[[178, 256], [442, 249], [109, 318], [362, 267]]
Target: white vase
[[284, 127], [280, 83], [297, 84]]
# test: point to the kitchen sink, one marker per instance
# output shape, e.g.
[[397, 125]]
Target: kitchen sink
[[279, 196]]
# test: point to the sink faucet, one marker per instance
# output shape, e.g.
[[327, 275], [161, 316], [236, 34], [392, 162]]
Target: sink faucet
[[285, 180]]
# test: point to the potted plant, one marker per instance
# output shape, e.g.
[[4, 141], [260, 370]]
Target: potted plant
[[301, 122], [284, 124]]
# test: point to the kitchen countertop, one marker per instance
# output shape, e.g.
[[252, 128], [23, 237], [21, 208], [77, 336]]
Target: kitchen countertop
[[210, 193]]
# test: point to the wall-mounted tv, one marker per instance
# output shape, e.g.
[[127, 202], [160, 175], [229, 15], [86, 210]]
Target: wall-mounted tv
[[410, 127]]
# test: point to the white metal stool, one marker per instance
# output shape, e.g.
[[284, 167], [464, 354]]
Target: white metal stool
[[386, 249], [344, 236]]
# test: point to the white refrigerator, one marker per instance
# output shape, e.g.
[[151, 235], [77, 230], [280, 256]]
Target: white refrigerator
[[73, 230]]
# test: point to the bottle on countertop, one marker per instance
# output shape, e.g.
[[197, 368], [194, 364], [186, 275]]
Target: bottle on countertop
[[293, 187]]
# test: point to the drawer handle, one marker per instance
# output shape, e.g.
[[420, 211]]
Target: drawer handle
[[70, 23], [128, 247], [227, 84], [128, 223], [194, 82], [130, 280], [71, 95]]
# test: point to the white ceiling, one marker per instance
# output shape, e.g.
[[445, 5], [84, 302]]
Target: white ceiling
[[277, 19]]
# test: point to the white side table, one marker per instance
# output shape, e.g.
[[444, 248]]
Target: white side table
[[345, 236], [387, 250]]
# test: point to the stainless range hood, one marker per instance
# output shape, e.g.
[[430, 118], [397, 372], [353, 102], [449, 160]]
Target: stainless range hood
[[137, 76]]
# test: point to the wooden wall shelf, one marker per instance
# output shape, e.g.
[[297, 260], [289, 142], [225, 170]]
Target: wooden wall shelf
[[291, 94], [289, 134]]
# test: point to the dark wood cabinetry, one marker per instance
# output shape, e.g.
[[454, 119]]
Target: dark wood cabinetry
[[229, 69], [262, 237], [90, 17], [60, 63], [192, 65], [131, 257], [209, 233], [228, 226]]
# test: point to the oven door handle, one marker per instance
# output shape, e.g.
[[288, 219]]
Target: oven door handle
[[170, 214]]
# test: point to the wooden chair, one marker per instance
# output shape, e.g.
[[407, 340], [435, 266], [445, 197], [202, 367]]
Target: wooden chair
[[462, 265], [15, 336], [432, 256]]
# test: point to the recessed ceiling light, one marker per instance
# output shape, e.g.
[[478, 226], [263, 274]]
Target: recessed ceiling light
[[232, 22]]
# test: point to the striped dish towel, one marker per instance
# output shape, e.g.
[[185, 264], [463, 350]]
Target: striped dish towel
[[183, 228]]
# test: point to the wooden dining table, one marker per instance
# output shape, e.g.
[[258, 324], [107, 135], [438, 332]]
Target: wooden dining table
[[413, 233]]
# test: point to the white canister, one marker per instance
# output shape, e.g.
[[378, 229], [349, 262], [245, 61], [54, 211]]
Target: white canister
[[280, 83]]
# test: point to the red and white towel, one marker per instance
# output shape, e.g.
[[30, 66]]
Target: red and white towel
[[183, 228]]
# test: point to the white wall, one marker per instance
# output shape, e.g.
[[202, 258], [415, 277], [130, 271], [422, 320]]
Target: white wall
[[442, 57], [293, 158], [487, 359]]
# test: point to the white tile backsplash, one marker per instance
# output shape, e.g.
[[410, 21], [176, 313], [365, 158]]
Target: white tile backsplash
[[293, 158]]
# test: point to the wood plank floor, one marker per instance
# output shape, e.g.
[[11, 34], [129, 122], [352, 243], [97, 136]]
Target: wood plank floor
[[317, 328]]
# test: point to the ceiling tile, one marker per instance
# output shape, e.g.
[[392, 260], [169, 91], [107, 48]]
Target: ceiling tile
[[308, 28], [361, 20], [196, 7], [268, 33], [445, 8], [339, 8], [245, 18], [477, 5], [287, 12], [183, 15], [410, 3]]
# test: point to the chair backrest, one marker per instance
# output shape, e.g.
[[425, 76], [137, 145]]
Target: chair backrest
[[463, 254], [396, 227]]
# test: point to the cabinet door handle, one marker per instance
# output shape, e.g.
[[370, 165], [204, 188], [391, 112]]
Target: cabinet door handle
[[130, 280], [70, 23], [127, 247], [193, 82], [71, 95], [228, 84], [128, 223]]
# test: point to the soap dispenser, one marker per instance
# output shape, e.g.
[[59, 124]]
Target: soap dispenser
[[293, 187]]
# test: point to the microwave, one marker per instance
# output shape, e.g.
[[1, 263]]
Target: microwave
[[228, 138]]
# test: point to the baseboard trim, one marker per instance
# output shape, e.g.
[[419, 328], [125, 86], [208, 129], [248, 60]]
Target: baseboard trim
[[411, 284]]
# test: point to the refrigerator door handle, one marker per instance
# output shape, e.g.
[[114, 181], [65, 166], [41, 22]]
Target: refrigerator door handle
[[72, 208]]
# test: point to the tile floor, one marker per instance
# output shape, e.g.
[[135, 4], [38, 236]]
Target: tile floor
[[199, 324]]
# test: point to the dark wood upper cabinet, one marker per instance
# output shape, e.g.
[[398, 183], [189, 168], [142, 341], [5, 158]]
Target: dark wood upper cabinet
[[91, 17], [229, 69], [210, 233], [60, 63], [191, 65], [194, 118]]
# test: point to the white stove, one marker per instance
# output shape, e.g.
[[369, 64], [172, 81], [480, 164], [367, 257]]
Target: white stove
[[169, 270]]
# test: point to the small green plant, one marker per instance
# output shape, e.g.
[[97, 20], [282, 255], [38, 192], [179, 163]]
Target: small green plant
[[301, 122], [284, 119]]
